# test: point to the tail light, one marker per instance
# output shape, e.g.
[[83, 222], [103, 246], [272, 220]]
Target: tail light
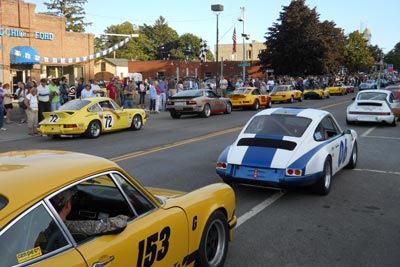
[[70, 126], [191, 102], [294, 172], [221, 165]]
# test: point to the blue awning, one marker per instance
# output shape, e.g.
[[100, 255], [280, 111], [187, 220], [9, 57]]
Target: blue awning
[[24, 55]]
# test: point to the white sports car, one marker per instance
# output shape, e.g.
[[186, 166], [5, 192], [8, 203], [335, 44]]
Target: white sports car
[[373, 106], [282, 147]]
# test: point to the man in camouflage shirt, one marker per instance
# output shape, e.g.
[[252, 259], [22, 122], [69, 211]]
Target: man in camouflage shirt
[[113, 225]]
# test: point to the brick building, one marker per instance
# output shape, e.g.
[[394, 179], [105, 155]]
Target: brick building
[[37, 45]]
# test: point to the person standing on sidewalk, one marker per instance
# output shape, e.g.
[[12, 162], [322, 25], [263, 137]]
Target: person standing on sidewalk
[[2, 110], [44, 98], [7, 102], [32, 108]]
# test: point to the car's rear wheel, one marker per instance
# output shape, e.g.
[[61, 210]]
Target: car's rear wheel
[[323, 185], [174, 114], [291, 100], [206, 111], [94, 129], [394, 122], [256, 105], [269, 105], [214, 241], [228, 109], [136, 122], [300, 98], [353, 157]]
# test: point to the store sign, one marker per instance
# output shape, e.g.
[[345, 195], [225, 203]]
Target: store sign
[[24, 34]]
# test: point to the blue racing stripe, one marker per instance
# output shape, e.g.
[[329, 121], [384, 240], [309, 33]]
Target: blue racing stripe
[[259, 156]]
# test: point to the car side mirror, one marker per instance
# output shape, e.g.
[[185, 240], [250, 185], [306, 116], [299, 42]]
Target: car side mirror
[[353, 98], [348, 131]]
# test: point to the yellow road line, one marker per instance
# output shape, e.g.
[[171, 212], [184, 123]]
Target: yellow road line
[[180, 143]]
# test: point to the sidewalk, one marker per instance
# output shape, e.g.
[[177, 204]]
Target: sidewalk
[[15, 130]]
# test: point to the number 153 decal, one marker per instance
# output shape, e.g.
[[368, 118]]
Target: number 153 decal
[[154, 247]]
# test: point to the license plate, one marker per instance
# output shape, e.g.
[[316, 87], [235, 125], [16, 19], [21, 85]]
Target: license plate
[[179, 103]]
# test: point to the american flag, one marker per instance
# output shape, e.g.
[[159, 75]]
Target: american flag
[[234, 41], [203, 50]]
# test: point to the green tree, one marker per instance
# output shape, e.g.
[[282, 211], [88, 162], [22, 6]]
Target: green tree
[[393, 57], [357, 54], [72, 10], [300, 45]]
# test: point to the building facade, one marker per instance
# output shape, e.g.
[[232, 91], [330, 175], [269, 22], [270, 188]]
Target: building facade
[[37, 45], [106, 68], [251, 51]]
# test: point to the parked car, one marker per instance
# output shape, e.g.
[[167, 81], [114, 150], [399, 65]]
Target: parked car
[[203, 102], [91, 117], [51, 200], [286, 93], [337, 89], [316, 93], [282, 147], [249, 97], [375, 105]]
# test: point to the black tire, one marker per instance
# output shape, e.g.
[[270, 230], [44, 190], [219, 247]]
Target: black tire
[[300, 99], [206, 111], [256, 105], [291, 100], [323, 185], [136, 122], [349, 122], [174, 114], [269, 105], [228, 109], [214, 241], [94, 129], [55, 136], [353, 157], [394, 122]]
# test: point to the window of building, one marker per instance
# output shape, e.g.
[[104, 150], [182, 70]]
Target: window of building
[[103, 66], [160, 75]]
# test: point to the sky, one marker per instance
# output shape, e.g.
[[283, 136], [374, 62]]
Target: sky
[[187, 16]]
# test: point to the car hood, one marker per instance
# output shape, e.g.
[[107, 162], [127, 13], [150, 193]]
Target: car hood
[[263, 152]]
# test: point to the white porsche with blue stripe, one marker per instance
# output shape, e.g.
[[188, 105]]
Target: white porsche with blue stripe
[[289, 146]]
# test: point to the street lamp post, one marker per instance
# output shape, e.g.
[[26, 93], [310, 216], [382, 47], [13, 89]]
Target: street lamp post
[[242, 19], [217, 10]]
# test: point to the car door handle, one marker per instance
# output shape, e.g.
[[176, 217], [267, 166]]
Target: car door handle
[[101, 264]]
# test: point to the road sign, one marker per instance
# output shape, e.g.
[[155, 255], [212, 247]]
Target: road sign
[[244, 64]]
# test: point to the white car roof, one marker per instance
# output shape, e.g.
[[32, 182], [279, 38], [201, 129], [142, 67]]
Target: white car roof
[[313, 114]]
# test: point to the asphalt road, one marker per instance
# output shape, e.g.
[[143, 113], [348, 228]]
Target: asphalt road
[[357, 224]]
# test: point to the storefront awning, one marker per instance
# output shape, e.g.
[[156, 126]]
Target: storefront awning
[[24, 55]]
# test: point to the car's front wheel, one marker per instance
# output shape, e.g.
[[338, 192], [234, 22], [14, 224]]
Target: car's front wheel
[[353, 158], [323, 185], [214, 241], [136, 122], [94, 129], [206, 111]]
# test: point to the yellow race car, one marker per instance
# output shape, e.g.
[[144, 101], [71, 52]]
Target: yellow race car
[[285, 93], [316, 93], [249, 97], [48, 216], [91, 117], [337, 89]]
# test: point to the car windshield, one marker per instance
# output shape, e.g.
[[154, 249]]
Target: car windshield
[[74, 104], [372, 96], [241, 91], [278, 124], [280, 89], [189, 93]]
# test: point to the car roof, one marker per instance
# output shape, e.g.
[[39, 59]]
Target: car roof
[[27, 176], [375, 91], [314, 114]]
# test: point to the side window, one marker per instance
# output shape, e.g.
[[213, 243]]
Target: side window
[[137, 199], [330, 127], [31, 236], [95, 108]]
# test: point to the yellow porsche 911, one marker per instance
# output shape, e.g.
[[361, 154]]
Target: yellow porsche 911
[[87, 211], [337, 89], [91, 117], [285, 93], [249, 97], [316, 93]]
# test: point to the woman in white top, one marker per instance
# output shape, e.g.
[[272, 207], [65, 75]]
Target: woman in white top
[[32, 109], [88, 92]]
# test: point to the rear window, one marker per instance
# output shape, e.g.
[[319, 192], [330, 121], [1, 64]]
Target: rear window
[[189, 93], [74, 105], [372, 96], [282, 125]]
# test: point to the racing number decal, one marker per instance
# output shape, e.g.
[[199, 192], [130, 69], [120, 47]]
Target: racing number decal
[[146, 257], [342, 152], [108, 121], [53, 118]]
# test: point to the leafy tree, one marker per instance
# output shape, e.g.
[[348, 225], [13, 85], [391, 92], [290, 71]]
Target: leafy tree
[[301, 45], [393, 56], [357, 54], [72, 10], [376, 52]]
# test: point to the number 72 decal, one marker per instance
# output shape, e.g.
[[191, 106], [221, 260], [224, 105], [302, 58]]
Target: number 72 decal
[[53, 118]]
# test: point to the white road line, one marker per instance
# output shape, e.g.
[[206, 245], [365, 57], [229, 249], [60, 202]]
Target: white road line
[[377, 171], [382, 137], [368, 131], [257, 209]]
